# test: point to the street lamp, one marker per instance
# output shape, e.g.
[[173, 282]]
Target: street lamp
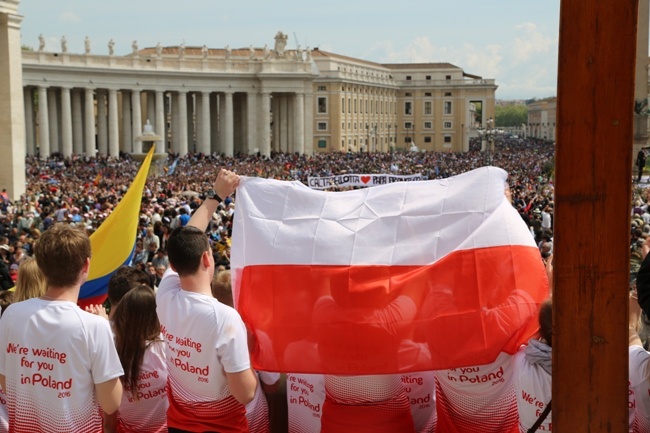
[[487, 136]]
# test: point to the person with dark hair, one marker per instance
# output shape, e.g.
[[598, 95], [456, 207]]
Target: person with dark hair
[[121, 282], [141, 351], [532, 367], [210, 378], [71, 367], [639, 371], [640, 163]]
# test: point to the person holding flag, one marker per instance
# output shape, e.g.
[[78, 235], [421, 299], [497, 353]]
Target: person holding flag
[[210, 378]]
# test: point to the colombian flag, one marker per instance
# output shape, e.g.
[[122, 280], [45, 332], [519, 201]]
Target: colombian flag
[[114, 241], [403, 277]]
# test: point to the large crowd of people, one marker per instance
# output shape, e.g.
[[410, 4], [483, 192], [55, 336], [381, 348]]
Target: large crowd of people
[[67, 199]]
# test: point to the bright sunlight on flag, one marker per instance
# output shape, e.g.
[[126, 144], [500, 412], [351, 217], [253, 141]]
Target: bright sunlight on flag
[[114, 241]]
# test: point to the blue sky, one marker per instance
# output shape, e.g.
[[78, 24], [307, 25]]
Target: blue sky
[[512, 41]]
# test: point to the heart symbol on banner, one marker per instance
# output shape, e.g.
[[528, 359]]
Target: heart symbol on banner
[[365, 179]]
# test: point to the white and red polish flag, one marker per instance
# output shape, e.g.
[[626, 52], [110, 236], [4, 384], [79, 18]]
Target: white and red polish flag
[[409, 276]]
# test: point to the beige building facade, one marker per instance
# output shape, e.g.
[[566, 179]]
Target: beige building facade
[[245, 101], [542, 119], [362, 106]]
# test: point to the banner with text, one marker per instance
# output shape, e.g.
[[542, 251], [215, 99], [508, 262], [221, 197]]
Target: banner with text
[[350, 180]]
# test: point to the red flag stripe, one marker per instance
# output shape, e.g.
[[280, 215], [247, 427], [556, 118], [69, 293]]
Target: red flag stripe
[[462, 310]]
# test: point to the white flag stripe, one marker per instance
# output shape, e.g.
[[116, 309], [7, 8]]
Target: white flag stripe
[[410, 223]]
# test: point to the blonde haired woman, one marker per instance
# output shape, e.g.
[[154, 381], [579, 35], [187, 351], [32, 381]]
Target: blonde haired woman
[[30, 282]]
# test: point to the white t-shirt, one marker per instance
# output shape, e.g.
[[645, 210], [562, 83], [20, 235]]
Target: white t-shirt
[[639, 369], [420, 388], [147, 414], [4, 415], [533, 392], [305, 399], [53, 355], [205, 339], [478, 398], [257, 411]]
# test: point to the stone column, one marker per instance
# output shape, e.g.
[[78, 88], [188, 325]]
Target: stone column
[[113, 125], [43, 124], [182, 124], [66, 122], [102, 127], [77, 123], [29, 120], [283, 120], [265, 124], [175, 123], [204, 140], [127, 130], [291, 103], [251, 123], [89, 123], [151, 109], [222, 121], [275, 142], [309, 125], [12, 120], [189, 119], [299, 127], [214, 124], [228, 144], [160, 121], [53, 120], [136, 125]]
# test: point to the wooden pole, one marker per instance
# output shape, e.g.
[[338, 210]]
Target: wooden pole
[[593, 187]]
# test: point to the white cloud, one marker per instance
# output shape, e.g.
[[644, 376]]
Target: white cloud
[[69, 17], [530, 42]]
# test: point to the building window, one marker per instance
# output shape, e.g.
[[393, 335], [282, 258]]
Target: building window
[[349, 127], [447, 138], [322, 126], [322, 144], [428, 125], [447, 93], [427, 93], [446, 125], [322, 105], [428, 77], [343, 126], [428, 108], [427, 139], [447, 77], [355, 105], [342, 105], [408, 78], [408, 125], [408, 108], [322, 88], [349, 106], [407, 94], [447, 109], [407, 140]]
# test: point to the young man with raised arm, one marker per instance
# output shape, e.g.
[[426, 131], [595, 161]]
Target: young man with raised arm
[[209, 374]]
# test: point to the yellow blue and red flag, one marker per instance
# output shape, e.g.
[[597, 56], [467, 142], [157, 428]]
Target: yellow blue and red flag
[[114, 241]]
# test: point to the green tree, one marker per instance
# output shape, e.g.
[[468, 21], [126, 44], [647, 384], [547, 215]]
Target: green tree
[[510, 115]]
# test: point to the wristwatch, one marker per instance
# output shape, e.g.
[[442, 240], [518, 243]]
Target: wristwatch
[[213, 195]]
